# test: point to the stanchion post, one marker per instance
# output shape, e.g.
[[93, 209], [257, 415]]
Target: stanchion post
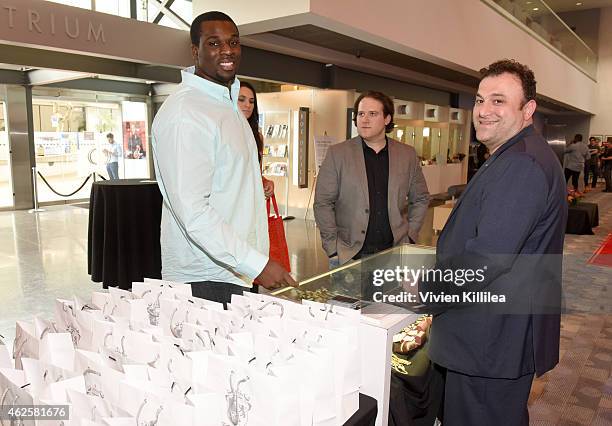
[[36, 209]]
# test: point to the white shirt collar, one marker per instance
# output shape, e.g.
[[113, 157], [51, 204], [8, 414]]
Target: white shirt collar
[[211, 88]]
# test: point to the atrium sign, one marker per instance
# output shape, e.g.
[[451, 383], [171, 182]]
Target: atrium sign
[[51, 26]]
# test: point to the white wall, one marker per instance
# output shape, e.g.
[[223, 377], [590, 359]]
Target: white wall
[[463, 35], [327, 115], [601, 123]]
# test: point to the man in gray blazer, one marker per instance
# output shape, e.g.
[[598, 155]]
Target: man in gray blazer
[[370, 194]]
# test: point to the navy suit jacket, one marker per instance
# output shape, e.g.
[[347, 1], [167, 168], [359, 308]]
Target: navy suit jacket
[[511, 218]]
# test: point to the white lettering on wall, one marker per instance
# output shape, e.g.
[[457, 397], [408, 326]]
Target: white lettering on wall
[[75, 33], [10, 15], [97, 35], [33, 19]]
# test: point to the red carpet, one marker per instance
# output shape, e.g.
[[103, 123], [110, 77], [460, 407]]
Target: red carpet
[[603, 255]]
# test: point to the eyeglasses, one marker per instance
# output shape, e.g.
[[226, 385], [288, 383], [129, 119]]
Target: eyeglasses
[[371, 114]]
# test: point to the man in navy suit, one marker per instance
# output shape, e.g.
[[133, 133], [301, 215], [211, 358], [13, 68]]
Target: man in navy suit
[[510, 222]]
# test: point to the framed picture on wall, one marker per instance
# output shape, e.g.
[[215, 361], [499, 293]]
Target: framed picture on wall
[[598, 138], [608, 138]]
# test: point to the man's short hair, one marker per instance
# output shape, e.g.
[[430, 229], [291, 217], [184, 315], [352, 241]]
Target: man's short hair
[[195, 31], [578, 137], [110, 136], [517, 69], [387, 103], [592, 138]]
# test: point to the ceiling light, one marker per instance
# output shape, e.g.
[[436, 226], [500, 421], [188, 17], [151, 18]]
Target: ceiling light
[[536, 8], [579, 4]]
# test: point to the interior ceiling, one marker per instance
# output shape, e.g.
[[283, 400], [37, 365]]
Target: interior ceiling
[[329, 39], [325, 38], [570, 5]]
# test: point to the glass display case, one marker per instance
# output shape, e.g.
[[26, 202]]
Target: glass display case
[[359, 280], [354, 284]]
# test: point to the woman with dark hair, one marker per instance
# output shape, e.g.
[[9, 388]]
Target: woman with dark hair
[[247, 102]]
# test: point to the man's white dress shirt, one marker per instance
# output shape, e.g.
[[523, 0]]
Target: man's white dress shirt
[[214, 221]]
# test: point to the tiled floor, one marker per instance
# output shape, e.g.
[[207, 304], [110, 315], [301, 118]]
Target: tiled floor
[[44, 256]]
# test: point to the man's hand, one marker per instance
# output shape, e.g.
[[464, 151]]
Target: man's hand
[[274, 276], [268, 187]]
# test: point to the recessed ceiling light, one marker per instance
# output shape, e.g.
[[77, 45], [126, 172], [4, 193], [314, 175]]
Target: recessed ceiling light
[[528, 2], [536, 8], [579, 4]]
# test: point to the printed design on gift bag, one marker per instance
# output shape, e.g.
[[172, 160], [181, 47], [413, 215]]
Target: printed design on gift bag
[[117, 354], [107, 317], [211, 341], [75, 333], [46, 374], [251, 314], [152, 422], [177, 329], [18, 347], [238, 402], [91, 388], [19, 421], [153, 308]]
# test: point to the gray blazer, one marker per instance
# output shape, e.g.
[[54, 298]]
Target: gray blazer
[[341, 205]]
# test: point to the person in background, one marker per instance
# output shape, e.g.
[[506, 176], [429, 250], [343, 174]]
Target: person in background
[[370, 194], [606, 165], [247, 102], [576, 154], [591, 165], [214, 229], [113, 153]]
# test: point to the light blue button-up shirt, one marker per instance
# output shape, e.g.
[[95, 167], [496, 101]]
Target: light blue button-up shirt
[[214, 221]]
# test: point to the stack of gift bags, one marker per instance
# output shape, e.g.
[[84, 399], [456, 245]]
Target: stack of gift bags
[[158, 356]]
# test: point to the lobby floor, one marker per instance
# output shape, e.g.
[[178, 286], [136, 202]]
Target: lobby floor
[[44, 256]]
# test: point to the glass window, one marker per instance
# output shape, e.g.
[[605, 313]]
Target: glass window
[[6, 186], [69, 139]]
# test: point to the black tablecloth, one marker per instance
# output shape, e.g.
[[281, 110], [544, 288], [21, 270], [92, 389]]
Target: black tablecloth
[[366, 415], [123, 238], [581, 218], [415, 398]]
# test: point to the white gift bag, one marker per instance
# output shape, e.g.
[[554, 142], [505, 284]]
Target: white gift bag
[[26, 343], [207, 408], [5, 357], [226, 375], [41, 374], [14, 391], [275, 399], [77, 322], [87, 407], [57, 349], [58, 391]]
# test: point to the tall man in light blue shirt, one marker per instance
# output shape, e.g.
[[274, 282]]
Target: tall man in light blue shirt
[[214, 232]]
